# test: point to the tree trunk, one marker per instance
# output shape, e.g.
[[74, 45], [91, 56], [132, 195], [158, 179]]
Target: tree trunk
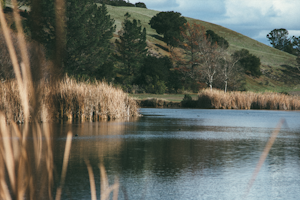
[[210, 82]]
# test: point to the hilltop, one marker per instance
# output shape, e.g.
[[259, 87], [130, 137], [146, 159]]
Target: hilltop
[[279, 68]]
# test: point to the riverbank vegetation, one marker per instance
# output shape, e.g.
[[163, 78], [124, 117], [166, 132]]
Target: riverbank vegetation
[[234, 62], [27, 170], [70, 99], [247, 100]]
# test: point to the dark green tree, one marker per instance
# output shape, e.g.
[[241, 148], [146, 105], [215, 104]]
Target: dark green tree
[[131, 48], [279, 39], [249, 62], [296, 45], [168, 24], [154, 74], [88, 47], [88, 32], [214, 38], [140, 5]]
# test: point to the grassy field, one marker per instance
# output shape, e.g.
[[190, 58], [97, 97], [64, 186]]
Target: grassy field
[[278, 68]]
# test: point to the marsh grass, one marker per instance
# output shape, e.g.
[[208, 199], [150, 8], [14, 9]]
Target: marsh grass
[[247, 100], [26, 152], [69, 99]]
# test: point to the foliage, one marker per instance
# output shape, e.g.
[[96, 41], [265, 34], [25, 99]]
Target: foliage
[[88, 48], [168, 24], [154, 74], [131, 48], [116, 3], [88, 32], [140, 5], [249, 62], [187, 97], [214, 38], [189, 63], [201, 55], [174, 81], [279, 39]]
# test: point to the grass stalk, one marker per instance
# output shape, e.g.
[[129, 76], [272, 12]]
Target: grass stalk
[[264, 155], [65, 165]]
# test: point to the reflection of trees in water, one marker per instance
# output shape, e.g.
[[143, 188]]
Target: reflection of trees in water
[[94, 141]]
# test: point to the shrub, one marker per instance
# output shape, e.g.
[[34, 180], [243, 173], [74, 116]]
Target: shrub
[[249, 62], [140, 5], [187, 97], [222, 42]]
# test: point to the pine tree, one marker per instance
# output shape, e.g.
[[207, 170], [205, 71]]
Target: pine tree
[[88, 47], [88, 32], [131, 48]]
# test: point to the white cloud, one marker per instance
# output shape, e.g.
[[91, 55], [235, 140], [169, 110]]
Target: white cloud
[[262, 12], [253, 18]]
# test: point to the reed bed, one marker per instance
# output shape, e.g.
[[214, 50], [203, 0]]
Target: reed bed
[[70, 99], [26, 152], [247, 100]]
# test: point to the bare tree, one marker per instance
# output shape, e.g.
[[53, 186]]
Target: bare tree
[[200, 55], [230, 69], [210, 55]]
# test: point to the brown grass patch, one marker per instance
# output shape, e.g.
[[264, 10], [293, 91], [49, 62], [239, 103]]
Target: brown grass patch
[[247, 100], [70, 99]]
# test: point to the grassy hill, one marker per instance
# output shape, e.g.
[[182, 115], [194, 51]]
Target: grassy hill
[[278, 68]]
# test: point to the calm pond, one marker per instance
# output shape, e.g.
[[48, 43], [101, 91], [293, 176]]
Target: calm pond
[[185, 154]]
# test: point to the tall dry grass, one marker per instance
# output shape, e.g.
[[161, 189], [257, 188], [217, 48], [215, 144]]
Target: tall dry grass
[[247, 100], [26, 155], [69, 99]]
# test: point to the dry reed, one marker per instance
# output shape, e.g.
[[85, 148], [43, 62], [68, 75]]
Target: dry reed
[[26, 156], [70, 99], [247, 100]]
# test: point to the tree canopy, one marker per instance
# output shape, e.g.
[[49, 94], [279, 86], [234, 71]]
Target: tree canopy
[[89, 29], [248, 61], [215, 38], [168, 24], [131, 48], [279, 39], [154, 74]]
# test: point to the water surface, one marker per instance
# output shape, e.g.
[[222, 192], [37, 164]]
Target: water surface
[[185, 154]]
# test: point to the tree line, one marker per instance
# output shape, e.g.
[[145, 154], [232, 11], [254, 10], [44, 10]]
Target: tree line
[[199, 57]]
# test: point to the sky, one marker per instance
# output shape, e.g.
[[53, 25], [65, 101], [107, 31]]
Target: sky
[[253, 18]]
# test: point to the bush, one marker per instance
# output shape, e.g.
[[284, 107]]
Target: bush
[[154, 74], [140, 5], [249, 62], [222, 42], [187, 97]]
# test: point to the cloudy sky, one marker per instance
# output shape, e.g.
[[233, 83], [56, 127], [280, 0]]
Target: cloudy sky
[[254, 18]]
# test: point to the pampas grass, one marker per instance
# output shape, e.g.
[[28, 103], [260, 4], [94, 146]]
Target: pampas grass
[[247, 100]]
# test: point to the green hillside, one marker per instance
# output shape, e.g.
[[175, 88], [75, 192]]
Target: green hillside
[[278, 68]]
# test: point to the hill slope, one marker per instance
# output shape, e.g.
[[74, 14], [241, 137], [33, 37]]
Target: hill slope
[[278, 68]]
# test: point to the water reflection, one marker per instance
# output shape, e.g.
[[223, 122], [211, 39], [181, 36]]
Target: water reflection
[[186, 154]]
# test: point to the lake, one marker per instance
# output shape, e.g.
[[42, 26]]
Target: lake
[[185, 154]]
